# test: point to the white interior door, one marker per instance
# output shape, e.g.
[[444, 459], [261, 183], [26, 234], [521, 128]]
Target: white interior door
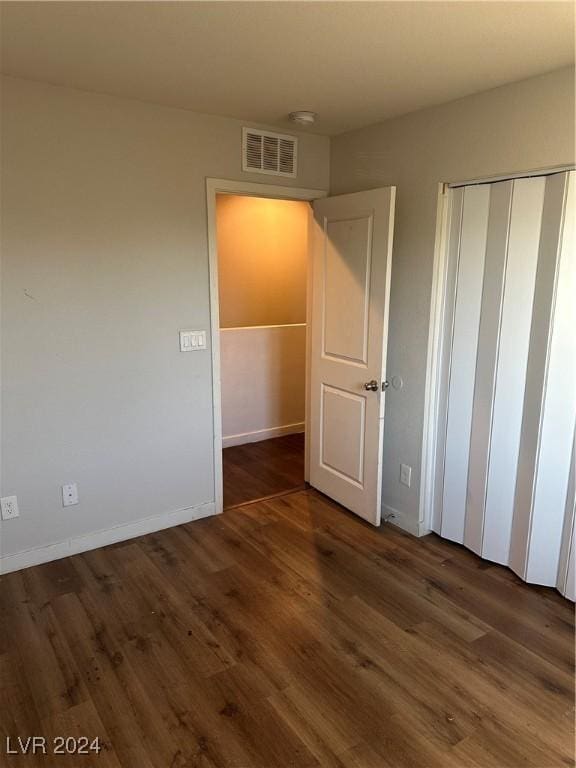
[[351, 243]]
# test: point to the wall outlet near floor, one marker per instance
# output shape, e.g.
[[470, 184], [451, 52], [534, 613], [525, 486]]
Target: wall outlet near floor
[[405, 474], [9, 507], [69, 495]]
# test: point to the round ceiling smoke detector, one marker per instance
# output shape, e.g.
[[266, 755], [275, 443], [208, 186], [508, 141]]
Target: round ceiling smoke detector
[[303, 117]]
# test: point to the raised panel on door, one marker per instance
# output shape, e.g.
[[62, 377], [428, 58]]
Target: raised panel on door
[[343, 413], [351, 259], [347, 274]]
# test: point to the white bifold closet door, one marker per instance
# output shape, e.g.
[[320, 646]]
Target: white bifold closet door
[[507, 412]]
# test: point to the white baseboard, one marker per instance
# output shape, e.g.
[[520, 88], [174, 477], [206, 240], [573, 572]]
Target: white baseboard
[[46, 554], [262, 434], [400, 520]]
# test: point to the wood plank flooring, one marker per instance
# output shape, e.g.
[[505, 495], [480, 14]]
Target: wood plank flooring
[[267, 468], [287, 634]]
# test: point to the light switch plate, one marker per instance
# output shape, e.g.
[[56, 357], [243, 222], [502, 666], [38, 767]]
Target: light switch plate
[[192, 341]]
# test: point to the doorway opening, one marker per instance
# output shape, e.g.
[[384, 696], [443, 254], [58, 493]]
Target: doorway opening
[[347, 293], [262, 248]]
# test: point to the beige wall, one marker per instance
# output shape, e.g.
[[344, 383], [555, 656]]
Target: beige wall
[[263, 382], [262, 273], [519, 127], [104, 259], [262, 259]]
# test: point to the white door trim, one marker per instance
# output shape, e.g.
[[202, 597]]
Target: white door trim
[[230, 187], [511, 176], [433, 367]]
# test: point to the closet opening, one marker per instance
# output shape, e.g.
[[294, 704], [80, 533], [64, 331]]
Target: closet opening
[[505, 405], [262, 276]]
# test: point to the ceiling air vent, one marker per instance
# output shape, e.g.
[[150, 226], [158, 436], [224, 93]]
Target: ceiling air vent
[[271, 153]]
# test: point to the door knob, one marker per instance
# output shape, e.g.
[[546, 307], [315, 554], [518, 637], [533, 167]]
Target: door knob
[[372, 386]]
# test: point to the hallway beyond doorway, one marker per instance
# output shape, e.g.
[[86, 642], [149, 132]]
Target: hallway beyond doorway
[[267, 468]]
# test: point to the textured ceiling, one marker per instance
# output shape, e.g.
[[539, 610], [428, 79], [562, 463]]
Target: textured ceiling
[[354, 63]]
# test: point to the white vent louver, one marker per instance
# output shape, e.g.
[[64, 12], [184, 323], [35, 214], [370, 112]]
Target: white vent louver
[[271, 153]]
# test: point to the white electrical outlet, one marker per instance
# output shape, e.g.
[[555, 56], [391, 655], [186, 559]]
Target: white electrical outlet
[[69, 495], [405, 474], [9, 507]]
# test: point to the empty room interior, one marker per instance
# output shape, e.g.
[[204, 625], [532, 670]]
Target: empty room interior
[[287, 384]]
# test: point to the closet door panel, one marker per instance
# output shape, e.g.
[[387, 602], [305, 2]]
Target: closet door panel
[[569, 589], [559, 414], [523, 238], [454, 229], [567, 567], [536, 373], [486, 358], [463, 369], [507, 413]]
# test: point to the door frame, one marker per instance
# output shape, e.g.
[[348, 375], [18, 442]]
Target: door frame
[[251, 189], [438, 302], [432, 392]]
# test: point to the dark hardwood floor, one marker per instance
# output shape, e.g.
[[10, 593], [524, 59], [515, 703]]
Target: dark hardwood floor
[[287, 634], [258, 470]]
